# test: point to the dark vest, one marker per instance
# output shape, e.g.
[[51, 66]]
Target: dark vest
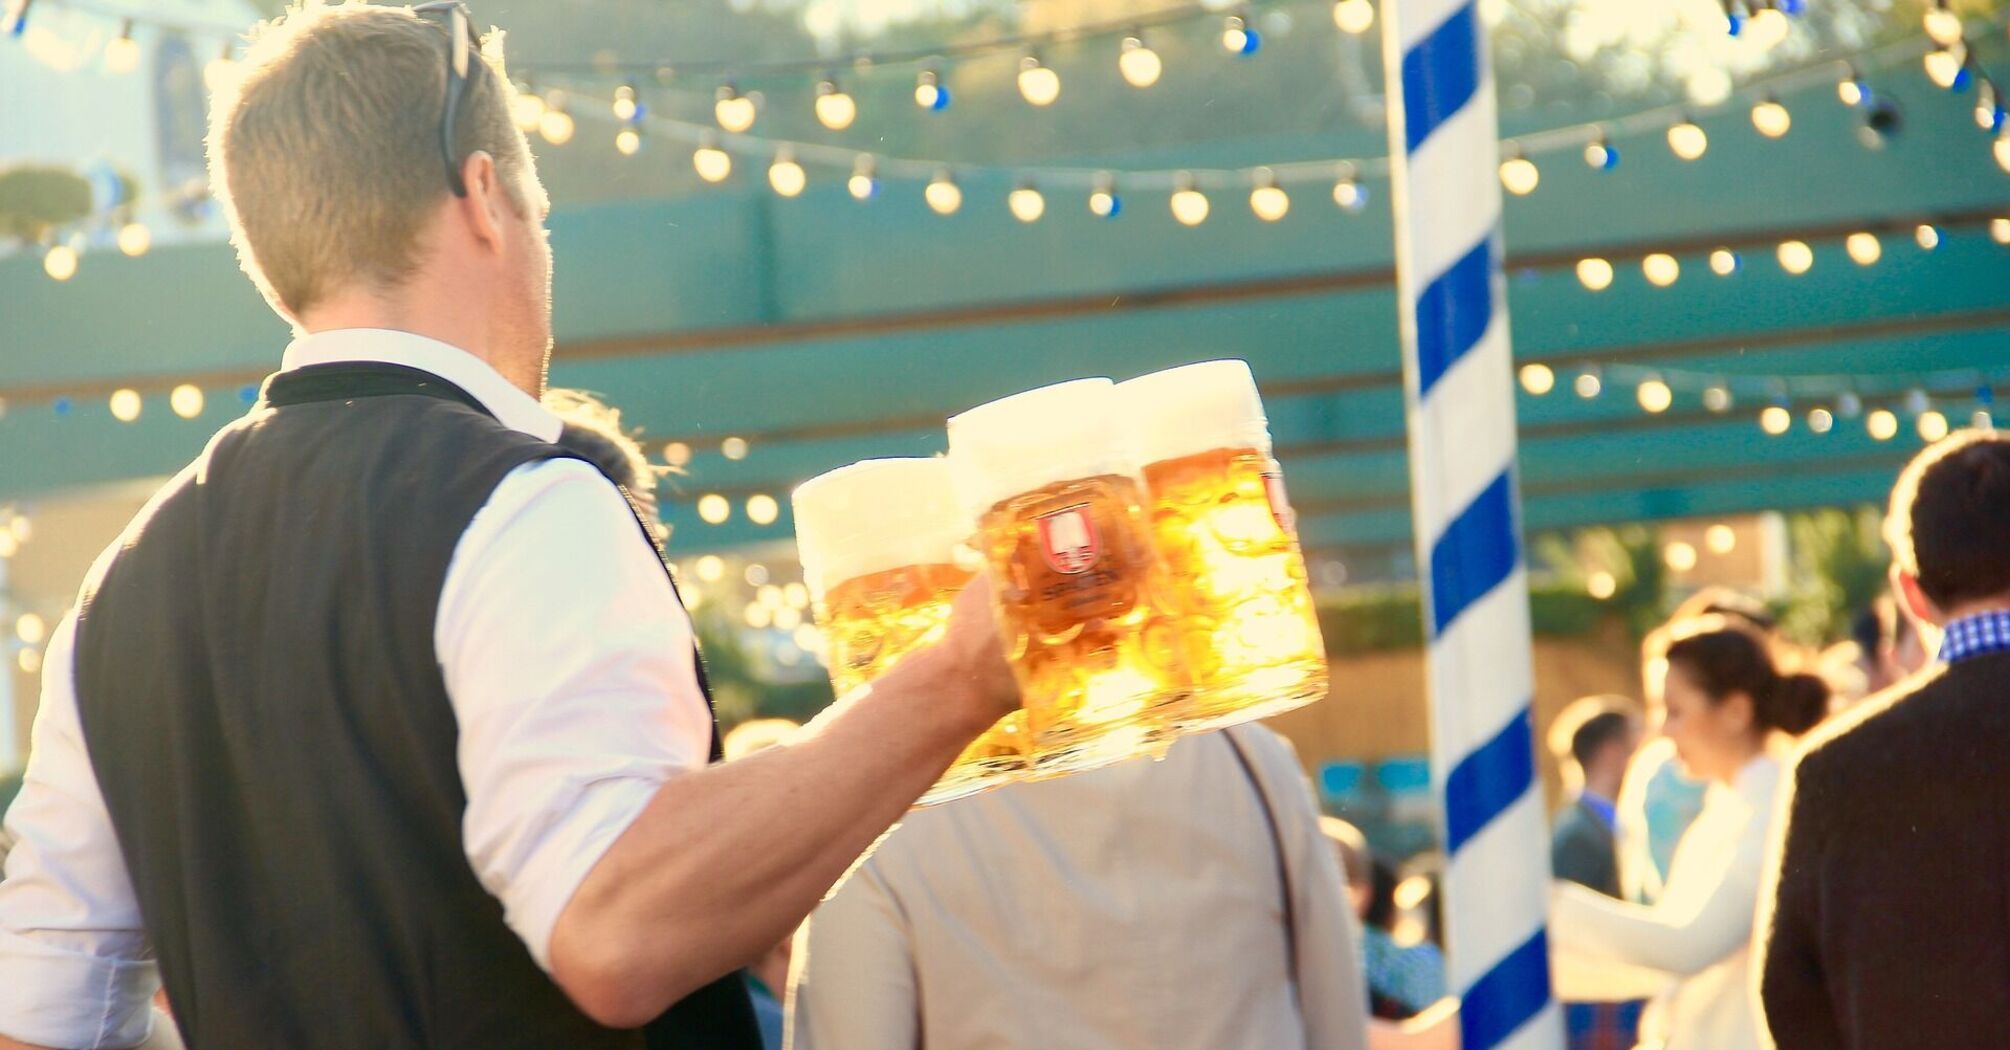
[[266, 715]]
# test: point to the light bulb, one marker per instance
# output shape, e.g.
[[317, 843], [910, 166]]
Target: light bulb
[[1796, 257], [1349, 195], [1103, 200], [929, 92], [1943, 65], [627, 142], [1594, 273], [1237, 38], [126, 404], [1721, 539], [1026, 203], [942, 194], [762, 509], [863, 183], [556, 125], [1600, 155], [1038, 84], [1999, 228], [1723, 262], [1717, 398], [1268, 200], [1767, 28], [1981, 420], [2002, 147], [1139, 64], [1943, 26], [625, 106], [1354, 16], [60, 262], [734, 111], [1537, 378], [527, 110], [835, 109], [1771, 118], [1881, 424], [1775, 420], [1660, 269], [786, 176], [1587, 385], [1932, 425], [714, 509], [135, 239], [222, 71], [1519, 175], [1926, 237], [1851, 90], [186, 400], [1687, 140], [711, 163], [1679, 556], [1601, 585], [1655, 396], [1864, 248], [1189, 205], [122, 54], [1821, 420]]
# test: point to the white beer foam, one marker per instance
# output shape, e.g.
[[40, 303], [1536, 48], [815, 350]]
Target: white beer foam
[[1020, 443], [1193, 409], [875, 515]]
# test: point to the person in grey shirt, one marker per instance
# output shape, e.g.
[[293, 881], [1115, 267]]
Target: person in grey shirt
[[1188, 902]]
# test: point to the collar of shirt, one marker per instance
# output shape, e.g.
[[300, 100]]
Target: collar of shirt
[[514, 408], [1601, 807], [1984, 632]]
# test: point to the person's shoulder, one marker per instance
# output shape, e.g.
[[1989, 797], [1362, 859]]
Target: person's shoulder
[[1879, 730]]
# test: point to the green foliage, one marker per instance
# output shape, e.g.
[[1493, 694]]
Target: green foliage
[[1378, 619], [738, 693], [1839, 563], [35, 199]]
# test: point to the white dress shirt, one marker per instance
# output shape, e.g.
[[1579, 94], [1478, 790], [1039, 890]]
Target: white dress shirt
[[1690, 952], [1138, 907], [568, 662]]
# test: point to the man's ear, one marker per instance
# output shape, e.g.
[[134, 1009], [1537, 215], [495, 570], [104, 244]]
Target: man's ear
[[487, 203], [1912, 600]]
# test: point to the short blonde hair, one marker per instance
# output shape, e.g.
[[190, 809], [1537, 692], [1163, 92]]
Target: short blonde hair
[[325, 150]]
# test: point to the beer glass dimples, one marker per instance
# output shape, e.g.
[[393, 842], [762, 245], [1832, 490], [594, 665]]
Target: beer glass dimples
[[1223, 526], [881, 548], [1061, 524]]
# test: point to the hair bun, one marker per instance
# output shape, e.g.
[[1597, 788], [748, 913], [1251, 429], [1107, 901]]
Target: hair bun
[[1796, 704]]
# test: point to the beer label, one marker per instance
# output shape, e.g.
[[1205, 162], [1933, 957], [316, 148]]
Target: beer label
[[1280, 503], [1068, 540]]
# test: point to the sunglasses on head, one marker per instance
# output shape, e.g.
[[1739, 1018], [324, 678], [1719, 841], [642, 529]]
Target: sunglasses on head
[[461, 44]]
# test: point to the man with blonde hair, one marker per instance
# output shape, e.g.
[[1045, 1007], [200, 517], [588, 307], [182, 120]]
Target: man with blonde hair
[[381, 725]]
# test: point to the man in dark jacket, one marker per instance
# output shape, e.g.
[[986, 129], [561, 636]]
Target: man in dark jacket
[[1885, 921], [1592, 740]]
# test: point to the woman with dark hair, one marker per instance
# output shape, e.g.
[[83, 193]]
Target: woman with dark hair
[[1729, 712]]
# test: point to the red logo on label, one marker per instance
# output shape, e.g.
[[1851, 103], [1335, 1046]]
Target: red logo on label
[[1068, 539], [1280, 503]]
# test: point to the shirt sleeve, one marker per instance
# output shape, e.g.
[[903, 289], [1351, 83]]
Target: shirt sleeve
[[1691, 929], [851, 980], [75, 966], [569, 664]]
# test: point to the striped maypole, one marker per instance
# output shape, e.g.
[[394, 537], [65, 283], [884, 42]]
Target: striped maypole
[[1459, 386]]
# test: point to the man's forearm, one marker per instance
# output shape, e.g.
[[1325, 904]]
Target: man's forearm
[[725, 861]]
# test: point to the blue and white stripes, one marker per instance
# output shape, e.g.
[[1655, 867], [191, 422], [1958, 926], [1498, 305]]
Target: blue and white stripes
[[1442, 136]]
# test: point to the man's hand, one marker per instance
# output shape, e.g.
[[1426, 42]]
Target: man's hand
[[974, 653]]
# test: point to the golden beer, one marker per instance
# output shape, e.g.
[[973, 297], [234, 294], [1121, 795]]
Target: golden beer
[[879, 544], [1223, 525], [1079, 590]]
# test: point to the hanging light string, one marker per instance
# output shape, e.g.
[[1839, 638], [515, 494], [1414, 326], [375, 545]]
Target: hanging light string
[[1582, 135], [1019, 42]]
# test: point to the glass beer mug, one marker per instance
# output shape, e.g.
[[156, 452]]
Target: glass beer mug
[[1224, 528], [879, 542], [1061, 524]]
